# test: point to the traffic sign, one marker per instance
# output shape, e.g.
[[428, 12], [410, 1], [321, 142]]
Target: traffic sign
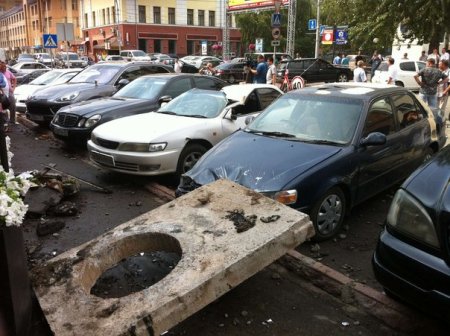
[[327, 37], [276, 33], [276, 20], [275, 43], [312, 24], [321, 29], [259, 45], [341, 35], [50, 40]]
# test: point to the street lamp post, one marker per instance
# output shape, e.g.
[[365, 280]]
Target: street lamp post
[[316, 52]]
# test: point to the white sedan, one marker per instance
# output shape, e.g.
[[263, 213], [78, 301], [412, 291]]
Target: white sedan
[[174, 138], [52, 77], [27, 67]]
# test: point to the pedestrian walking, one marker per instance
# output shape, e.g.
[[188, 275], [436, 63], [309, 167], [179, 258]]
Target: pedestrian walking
[[359, 74], [337, 60], [423, 57], [12, 83], [271, 77], [392, 71], [260, 72], [405, 56], [3, 92], [428, 79]]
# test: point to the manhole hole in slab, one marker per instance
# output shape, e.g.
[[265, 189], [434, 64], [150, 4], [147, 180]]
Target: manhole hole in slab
[[135, 273], [130, 264]]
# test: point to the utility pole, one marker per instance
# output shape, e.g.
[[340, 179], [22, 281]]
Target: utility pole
[[290, 43], [316, 53]]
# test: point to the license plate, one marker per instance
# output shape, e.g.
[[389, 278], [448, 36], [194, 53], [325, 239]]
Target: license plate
[[37, 117], [102, 158], [61, 131]]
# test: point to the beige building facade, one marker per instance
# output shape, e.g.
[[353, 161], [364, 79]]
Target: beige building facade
[[103, 27]]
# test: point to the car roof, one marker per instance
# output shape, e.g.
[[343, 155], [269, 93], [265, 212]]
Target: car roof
[[361, 91], [238, 92]]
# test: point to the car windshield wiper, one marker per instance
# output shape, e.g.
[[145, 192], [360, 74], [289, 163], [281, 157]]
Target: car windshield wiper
[[167, 112], [272, 133], [321, 141], [193, 115]]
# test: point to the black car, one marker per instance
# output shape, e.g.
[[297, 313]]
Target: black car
[[313, 70], [324, 149], [99, 80], [230, 72], [412, 258], [75, 122]]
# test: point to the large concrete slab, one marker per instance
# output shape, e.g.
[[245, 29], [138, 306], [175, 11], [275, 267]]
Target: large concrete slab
[[214, 259]]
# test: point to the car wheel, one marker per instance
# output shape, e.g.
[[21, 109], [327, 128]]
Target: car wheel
[[398, 83], [328, 213], [342, 77], [231, 79], [189, 157]]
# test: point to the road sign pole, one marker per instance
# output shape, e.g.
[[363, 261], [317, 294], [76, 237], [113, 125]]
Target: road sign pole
[[316, 53]]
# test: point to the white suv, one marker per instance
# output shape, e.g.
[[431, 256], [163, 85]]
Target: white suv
[[134, 55], [406, 70]]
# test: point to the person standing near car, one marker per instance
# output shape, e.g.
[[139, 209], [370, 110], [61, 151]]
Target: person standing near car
[[178, 66], [430, 78], [423, 57], [261, 71], [359, 75], [337, 60], [271, 77], [392, 71], [11, 83], [374, 63], [443, 87]]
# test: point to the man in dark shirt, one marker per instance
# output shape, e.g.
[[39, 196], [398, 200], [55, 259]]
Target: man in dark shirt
[[430, 78]]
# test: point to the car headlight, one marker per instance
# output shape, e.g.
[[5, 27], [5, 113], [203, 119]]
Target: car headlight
[[68, 97], [409, 217], [142, 147], [92, 121], [284, 196]]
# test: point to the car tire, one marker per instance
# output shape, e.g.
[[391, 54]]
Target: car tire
[[342, 77], [398, 83], [231, 79], [429, 153], [328, 213], [188, 157]]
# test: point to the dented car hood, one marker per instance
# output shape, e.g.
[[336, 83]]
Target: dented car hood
[[259, 162]]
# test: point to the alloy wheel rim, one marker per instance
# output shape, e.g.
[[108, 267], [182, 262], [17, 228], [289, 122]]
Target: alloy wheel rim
[[190, 161], [329, 214]]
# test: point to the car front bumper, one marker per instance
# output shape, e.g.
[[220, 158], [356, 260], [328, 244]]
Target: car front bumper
[[43, 110], [412, 274], [135, 163]]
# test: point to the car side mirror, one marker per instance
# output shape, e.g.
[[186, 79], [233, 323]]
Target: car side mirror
[[373, 139], [123, 82], [249, 119], [164, 100]]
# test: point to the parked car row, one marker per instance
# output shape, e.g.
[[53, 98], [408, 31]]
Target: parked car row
[[321, 150]]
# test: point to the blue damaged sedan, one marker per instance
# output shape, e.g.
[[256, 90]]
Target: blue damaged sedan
[[324, 149]]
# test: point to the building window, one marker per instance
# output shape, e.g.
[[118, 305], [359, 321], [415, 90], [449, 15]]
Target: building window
[[142, 15], [108, 18], [190, 47], [201, 17], [49, 4], [94, 21], [113, 10], [74, 5], [190, 17], [156, 14], [49, 21], [171, 15], [104, 16], [86, 20], [212, 18]]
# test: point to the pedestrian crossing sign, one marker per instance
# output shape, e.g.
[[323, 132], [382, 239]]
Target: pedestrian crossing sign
[[50, 41]]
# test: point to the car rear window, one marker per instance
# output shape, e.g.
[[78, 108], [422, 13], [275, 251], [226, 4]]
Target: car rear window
[[407, 66]]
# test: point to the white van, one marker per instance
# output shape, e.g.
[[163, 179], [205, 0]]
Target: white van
[[134, 55]]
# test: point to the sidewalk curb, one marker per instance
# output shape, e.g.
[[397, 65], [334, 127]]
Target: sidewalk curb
[[388, 311], [21, 118]]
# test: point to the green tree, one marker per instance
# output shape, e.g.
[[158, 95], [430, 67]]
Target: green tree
[[257, 25]]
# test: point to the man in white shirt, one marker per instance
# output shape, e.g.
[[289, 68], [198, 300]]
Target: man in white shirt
[[392, 71], [445, 55], [271, 76]]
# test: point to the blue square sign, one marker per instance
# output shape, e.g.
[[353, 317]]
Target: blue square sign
[[312, 24], [50, 41]]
